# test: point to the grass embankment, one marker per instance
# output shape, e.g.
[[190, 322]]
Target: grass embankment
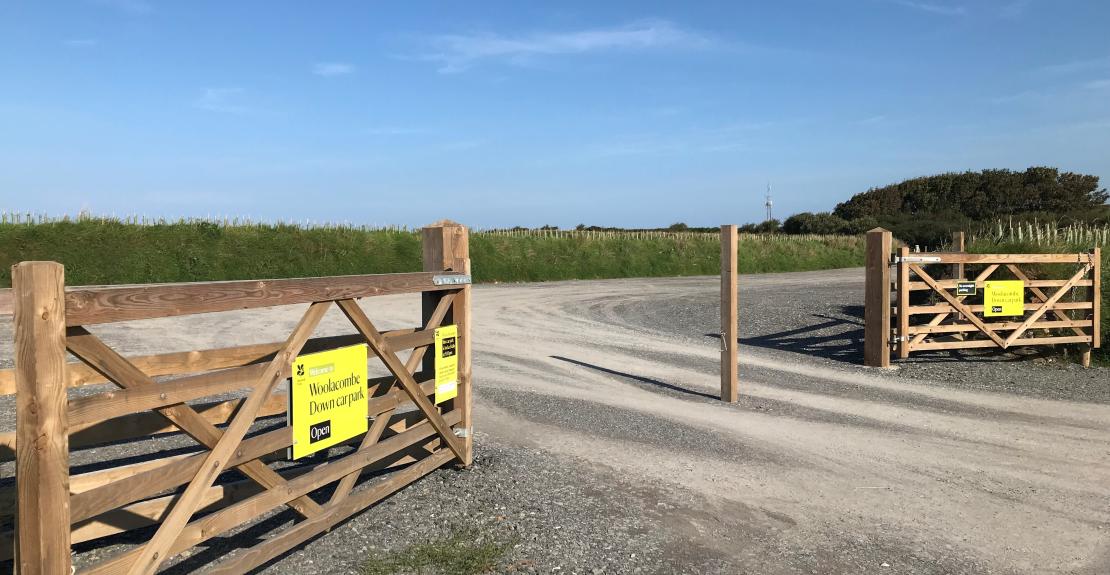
[[105, 251], [1057, 244]]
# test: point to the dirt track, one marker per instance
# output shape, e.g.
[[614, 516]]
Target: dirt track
[[601, 447]]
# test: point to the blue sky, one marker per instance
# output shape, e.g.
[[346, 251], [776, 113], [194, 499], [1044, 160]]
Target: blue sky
[[629, 113]]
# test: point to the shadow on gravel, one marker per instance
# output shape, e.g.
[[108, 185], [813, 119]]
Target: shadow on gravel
[[639, 378]]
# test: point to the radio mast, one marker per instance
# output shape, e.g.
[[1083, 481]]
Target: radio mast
[[768, 204]]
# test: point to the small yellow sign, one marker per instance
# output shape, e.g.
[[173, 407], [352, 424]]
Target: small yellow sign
[[1003, 298], [327, 399], [447, 362]]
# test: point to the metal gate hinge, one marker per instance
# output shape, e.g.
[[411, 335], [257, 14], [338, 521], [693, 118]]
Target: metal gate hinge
[[451, 280], [917, 259], [462, 431]]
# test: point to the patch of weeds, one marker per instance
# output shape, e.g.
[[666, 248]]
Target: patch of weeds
[[456, 555]]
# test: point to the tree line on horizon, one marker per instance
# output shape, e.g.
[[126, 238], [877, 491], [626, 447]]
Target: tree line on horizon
[[926, 210]]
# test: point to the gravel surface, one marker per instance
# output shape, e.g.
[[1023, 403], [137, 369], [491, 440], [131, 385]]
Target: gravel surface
[[601, 447]]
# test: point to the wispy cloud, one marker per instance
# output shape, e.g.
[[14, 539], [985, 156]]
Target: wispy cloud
[[1101, 84], [458, 52], [224, 100], [332, 69], [1076, 66], [396, 131], [127, 6], [873, 120], [81, 42], [941, 9]]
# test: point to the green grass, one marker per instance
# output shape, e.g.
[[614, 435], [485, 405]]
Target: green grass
[[459, 554], [112, 251], [1049, 243]]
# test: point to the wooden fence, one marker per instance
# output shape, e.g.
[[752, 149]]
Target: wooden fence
[[185, 499], [933, 312]]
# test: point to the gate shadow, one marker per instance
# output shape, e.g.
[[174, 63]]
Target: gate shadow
[[634, 377]]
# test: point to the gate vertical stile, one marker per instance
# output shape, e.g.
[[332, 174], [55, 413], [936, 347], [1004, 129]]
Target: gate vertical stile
[[903, 335], [446, 246]]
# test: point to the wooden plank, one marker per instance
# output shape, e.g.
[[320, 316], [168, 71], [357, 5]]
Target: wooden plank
[[997, 326], [95, 408], [381, 347], [977, 343], [729, 315], [951, 284], [945, 308], [1046, 305], [333, 514], [954, 258], [145, 425], [940, 317], [1096, 297], [42, 457], [154, 553], [214, 524], [959, 246], [112, 365], [176, 363], [95, 305], [903, 303], [876, 311], [1037, 293], [958, 306]]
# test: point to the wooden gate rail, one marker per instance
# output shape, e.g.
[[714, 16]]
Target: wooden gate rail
[[956, 322], [50, 509]]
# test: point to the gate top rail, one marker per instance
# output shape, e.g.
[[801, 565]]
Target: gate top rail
[[965, 258], [90, 305]]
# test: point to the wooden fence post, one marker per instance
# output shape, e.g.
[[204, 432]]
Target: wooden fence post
[[958, 245], [446, 246], [876, 313], [42, 434], [729, 335], [903, 305], [1096, 297]]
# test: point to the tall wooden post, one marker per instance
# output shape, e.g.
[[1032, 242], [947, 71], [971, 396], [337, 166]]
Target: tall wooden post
[[903, 304], [1096, 312], [876, 313], [42, 431], [958, 245], [446, 247], [729, 297]]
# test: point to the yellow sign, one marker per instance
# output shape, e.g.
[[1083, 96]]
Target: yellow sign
[[447, 362], [327, 399], [1003, 298]]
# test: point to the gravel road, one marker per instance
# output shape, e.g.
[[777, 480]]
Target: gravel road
[[601, 447]]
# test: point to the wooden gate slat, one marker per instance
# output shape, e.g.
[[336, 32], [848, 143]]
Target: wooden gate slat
[[1039, 294], [940, 317], [96, 354], [381, 347], [958, 305], [333, 514], [154, 553], [216, 523], [1047, 305]]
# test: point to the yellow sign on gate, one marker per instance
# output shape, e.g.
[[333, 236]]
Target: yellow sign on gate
[[1003, 298], [447, 362], [327, 399]]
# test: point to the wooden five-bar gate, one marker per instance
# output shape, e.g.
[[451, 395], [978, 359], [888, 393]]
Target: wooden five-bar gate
[[1048, 311], [185, 499]]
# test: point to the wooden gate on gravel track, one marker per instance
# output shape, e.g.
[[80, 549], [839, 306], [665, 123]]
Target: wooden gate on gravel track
[[188, 498], [957, 320]]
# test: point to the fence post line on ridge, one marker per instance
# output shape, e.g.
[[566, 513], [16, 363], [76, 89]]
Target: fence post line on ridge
[[446, 246], [42, 441], [729, 331], [876, 313]]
